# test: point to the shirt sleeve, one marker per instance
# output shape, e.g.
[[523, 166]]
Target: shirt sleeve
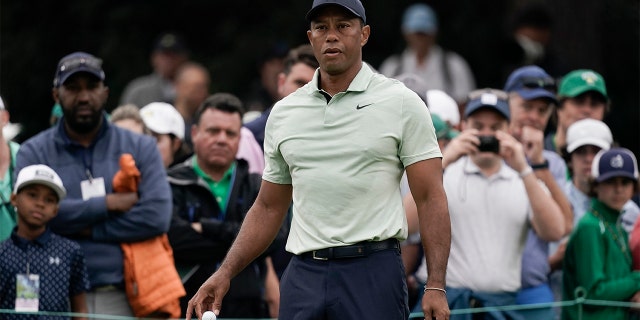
[[276, 168], [419, 140]]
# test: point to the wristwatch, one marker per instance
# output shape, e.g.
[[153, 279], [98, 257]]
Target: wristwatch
[[540, 166]]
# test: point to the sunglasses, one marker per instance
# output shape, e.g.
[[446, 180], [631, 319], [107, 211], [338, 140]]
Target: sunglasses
[[477, 94], [538, 83]]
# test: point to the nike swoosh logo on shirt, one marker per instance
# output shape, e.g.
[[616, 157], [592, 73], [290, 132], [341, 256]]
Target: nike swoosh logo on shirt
[[358, 107]]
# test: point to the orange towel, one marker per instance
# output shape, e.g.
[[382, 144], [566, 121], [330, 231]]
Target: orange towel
[[128, 177]]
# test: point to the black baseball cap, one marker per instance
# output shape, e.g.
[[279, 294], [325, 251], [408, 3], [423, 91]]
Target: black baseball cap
[[170, 41], [354, 6], [77, 62]]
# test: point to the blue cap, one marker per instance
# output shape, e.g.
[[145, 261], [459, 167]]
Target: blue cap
[[419, 18], [531, 82], [354, 6], [488, 98], [615, 162], [77, 62]]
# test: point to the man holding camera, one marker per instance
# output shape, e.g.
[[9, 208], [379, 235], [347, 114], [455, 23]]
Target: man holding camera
[[494, 197]]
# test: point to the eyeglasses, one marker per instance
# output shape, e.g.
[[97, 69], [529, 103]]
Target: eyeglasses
[[477, 94], [538, 83]]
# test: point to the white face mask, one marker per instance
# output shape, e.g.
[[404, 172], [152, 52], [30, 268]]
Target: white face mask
[[533, 50]]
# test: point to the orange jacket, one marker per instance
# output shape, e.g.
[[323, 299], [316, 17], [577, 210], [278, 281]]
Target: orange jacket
[[152, 283]]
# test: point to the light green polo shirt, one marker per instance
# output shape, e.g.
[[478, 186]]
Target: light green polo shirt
[[219, 189], [345, 158]]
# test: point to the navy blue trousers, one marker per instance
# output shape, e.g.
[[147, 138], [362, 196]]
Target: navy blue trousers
[[371, 287]]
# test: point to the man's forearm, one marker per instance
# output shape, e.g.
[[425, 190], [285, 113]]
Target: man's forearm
[[548, 221], [435, 230], [558, 196]]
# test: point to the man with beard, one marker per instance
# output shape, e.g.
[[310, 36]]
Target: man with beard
[[84, 148], [337, 148]]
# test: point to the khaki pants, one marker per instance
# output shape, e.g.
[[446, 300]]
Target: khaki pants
[[109, 301]]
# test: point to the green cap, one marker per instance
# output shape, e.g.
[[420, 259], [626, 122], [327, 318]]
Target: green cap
[[443, 130], [580, 81]]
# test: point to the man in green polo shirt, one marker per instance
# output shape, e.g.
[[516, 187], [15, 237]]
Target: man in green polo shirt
[[212, 192], [338, 147]]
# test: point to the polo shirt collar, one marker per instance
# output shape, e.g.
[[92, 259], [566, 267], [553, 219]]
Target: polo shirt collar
[[358, 84], [607, 213], [505, 171], [106, 124], [23, 243], [196, 168]]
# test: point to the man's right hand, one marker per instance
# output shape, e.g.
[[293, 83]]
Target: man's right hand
[[465, 143], [209, 296], [121, 202]]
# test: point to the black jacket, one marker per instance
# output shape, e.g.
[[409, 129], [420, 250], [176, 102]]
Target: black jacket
[[201, 253]]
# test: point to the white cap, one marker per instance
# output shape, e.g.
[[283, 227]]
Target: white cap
[[163, 118], [1, 104], [444, 106], [40, 174], [588, 132]]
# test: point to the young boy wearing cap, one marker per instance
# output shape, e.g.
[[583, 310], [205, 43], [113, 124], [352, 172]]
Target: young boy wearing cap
[[40, 271], [585, 138], [597, 262], [582, 94]]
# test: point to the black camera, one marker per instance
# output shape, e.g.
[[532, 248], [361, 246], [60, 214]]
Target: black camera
[[489, 144]]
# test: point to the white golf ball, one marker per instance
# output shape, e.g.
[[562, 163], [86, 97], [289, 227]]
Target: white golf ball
[[209, 315]]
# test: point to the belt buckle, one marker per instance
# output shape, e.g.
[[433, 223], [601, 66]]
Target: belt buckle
[[313, 255]]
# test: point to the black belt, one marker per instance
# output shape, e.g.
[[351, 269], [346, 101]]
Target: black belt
[[107, 288], [360, 249]]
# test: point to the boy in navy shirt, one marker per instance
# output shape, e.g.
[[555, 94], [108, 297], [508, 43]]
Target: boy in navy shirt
[[40, 271]]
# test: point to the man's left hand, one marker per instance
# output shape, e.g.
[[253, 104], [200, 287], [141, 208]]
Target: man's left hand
[[435, 305]]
